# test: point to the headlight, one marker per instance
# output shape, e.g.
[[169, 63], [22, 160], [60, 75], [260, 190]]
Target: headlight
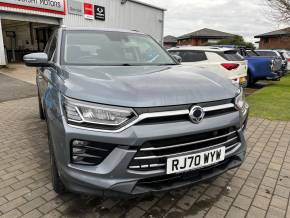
[[240, 100], [105, 116]]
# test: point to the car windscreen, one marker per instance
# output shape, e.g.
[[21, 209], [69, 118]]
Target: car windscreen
[[232, 55], [267, 53], [189, 56], [252, 53], [112, 48]]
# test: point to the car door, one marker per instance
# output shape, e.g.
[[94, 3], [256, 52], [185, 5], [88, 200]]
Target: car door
[[44, 73]]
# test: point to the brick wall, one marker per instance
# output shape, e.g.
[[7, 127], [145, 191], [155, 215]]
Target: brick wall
[[169, 44], [192, 41], [275, 42]]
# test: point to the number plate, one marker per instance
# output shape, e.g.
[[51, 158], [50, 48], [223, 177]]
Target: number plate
[[195, 161]]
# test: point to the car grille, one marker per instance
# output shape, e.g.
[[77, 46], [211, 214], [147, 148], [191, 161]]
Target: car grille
[[91, 154], [140, 111], [153, 154]]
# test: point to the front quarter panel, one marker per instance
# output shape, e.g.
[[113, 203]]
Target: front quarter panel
[[52, 103]]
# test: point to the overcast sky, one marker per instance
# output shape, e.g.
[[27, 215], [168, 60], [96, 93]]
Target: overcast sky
[[243, 17]]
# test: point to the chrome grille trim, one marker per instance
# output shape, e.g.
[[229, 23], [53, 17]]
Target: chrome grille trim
[[189, 143], [144, 160], [237, 147], [184, 153], [151, 166], [147, 166], [218, 107]]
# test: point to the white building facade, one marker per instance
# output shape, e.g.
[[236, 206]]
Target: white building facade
[[27, 24]]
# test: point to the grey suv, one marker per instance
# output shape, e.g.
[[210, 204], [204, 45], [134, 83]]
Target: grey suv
[[124, 117]]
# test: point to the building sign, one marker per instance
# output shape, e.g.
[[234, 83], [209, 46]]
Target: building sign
[[47, 6], [89, 11], [100, 13], [75, 7]]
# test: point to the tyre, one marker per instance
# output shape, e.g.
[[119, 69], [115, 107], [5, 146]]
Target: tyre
[[251, 80], [40, 109], [57, 184]]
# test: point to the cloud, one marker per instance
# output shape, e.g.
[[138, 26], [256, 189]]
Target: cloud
[[247, 18]]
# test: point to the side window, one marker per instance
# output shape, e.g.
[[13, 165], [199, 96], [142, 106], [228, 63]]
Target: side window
[[192, 56], [232, 56]]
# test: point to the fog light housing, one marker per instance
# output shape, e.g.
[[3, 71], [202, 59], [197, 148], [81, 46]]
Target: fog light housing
[[89, 153]]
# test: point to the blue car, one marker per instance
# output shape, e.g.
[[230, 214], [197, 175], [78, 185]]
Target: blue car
[[259, 67]]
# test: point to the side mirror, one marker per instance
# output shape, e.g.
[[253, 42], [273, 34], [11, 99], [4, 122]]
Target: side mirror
[[36, 60], [177, 58]]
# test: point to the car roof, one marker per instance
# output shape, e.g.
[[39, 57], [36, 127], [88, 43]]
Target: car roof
[[100, 29], [200, 48], [266, 50]]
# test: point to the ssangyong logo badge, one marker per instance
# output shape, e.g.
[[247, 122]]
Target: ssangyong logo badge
[[196, 114]]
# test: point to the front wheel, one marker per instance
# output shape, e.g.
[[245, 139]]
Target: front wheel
[[251, 80]]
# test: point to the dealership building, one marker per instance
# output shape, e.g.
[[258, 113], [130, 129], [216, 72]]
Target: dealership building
[[27, 24]]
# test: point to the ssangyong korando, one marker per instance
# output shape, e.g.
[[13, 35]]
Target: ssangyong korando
[[124, 117]]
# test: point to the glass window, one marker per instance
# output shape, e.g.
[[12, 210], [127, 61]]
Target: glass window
[[190, 56], [267, 53], [251, 53], [112, 48], [232, 55]]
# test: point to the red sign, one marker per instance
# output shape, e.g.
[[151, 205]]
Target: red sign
[[55, 7], [88, 11]]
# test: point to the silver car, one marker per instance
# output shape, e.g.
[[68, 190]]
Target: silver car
[[125, 118]]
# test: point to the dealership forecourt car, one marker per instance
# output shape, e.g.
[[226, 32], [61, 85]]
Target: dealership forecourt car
[[124, 117], [226, 62]]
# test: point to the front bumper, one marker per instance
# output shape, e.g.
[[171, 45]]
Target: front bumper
[[112, 176], [275, 76], [90, 185]]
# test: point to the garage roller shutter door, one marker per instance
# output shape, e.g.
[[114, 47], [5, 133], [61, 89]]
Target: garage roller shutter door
[[29, 18]]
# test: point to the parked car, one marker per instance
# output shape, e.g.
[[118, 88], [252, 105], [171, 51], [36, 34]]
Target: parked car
[[286, 55], [223, 61], [124, 117], [277, 55], [260, 67]]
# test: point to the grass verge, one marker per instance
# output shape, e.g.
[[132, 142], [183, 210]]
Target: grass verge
[[272, 102]]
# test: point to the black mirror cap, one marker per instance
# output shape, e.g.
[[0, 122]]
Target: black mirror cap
[[36, 60]]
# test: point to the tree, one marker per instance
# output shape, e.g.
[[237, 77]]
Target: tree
[[236, 40], [281, 9]]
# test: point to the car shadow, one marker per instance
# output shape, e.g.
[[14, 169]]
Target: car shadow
[[257, 86]]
